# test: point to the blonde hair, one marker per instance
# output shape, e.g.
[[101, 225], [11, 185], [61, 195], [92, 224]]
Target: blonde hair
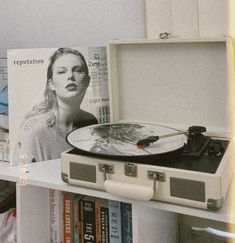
[[50, 105]]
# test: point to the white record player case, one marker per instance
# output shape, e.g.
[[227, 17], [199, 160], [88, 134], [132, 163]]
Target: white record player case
[[177, 83]]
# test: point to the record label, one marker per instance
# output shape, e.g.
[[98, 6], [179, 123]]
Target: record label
[[120, 139]]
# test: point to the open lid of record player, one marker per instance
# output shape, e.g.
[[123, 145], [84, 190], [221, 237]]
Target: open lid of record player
[[175, 82]]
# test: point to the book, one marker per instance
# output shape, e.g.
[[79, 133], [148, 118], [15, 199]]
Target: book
[[115, 222], [89, 217], [76, 222], [56, 216], [97, 220], [104, 224], [102, 220], [81, 240], [94, 217], [126, 222], [68, 217]]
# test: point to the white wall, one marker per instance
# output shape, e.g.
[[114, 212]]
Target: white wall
[[232, 18], [56, 23]]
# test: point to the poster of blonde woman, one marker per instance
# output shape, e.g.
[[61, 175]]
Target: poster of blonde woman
[[53, 91]]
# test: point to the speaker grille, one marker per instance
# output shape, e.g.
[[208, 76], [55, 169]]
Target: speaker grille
[[83, 172], [187, 189]]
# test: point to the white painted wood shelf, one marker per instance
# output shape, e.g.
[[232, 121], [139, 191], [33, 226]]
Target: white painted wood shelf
[[33, 205], [47, 174]]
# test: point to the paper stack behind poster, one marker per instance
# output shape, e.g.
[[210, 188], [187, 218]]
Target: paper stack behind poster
[[51, 92], [4, 123]]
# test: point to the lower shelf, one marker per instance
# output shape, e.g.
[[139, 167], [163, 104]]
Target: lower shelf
[[33, 204]]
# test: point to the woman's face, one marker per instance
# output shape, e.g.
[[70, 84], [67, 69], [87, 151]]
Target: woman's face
[[69, 79]]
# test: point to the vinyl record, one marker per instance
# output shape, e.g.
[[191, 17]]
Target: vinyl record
[[118, 140]]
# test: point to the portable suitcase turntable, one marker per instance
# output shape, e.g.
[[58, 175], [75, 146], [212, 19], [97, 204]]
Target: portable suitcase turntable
[[169, 139]]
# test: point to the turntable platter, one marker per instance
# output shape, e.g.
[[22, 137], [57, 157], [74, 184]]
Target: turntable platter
[[119, 139]]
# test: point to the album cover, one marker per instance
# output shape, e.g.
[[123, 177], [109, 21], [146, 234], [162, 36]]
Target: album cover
[[51, 92]]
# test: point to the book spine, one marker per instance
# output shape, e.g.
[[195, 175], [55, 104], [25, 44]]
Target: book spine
[[97, 221], [126, 222], [80, 216], [104, 223], [68, 218], [115, 222], [89, 229], [56, 216], [76, 220]]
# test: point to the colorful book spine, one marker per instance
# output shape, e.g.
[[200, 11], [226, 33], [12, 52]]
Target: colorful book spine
[[126, 222], [104, 224], [115, 235], [68, 217], [89, 224], [76, 223], [93, 220], [97, 220], [56, 216], [80, 217]]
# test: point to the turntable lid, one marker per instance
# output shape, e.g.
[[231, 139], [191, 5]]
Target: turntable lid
[[170, 82]]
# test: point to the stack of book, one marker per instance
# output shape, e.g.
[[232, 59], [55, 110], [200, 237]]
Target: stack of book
[[87, 219]]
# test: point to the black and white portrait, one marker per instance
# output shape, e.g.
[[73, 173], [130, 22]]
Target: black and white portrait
[[58, 90]]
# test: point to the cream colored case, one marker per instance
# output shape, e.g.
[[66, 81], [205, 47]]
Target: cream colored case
[[178, 83]]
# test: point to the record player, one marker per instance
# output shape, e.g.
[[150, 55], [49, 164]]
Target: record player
[[169, 139]]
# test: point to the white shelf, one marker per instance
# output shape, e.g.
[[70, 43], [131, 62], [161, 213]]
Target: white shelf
[[170, 40], [33, 205], [47, 174]]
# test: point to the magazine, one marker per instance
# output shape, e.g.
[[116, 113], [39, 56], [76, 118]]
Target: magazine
[[41, 84]]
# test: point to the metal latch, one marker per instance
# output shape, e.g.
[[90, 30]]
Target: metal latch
[[157, 175], [106, 169], [130, 170]]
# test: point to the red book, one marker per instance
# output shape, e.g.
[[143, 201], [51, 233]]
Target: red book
[[68, 218]]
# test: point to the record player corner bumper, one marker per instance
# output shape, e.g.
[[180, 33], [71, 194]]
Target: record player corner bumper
[[64, 177]]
